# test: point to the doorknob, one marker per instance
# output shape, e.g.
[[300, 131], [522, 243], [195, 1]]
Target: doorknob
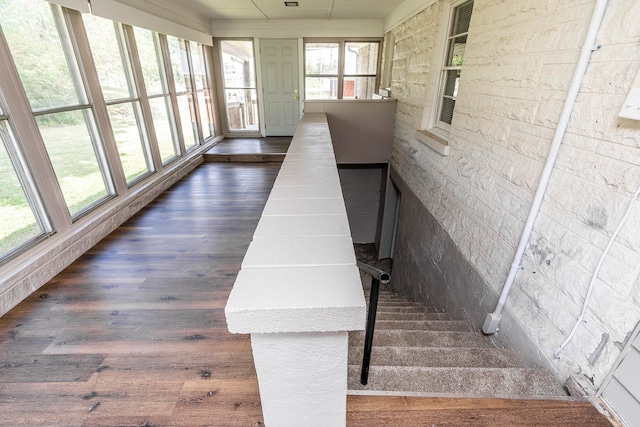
[[296, 97]]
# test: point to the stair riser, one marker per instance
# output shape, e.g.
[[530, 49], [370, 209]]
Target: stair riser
[[484, 381], [438, 357], [423, 339]]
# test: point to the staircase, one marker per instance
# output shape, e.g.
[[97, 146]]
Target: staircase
[[419, 350]]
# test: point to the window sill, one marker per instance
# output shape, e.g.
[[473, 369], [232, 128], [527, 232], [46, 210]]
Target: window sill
[[433, 141]]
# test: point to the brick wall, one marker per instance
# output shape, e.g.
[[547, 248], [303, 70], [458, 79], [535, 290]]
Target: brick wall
[[519, 62]]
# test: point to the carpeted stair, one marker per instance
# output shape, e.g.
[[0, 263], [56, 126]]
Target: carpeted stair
[[418, 350]]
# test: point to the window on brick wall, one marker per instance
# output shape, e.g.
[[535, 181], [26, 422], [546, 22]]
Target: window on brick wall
[[456, 42], [341, 69]]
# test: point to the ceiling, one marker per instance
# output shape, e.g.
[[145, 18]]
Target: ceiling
[[215, 10]]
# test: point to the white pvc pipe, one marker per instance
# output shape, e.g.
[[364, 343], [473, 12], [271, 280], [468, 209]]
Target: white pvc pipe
[[493, 319]]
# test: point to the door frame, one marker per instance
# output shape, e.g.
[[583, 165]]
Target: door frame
[[220, 89], [301, 82]]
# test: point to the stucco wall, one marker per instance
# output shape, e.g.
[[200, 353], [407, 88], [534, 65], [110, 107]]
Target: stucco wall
[[519, 61]]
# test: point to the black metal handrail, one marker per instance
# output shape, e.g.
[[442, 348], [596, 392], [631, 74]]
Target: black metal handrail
[[377, 276]]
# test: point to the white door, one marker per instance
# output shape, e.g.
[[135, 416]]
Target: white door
[[621, 390], [279, 60]]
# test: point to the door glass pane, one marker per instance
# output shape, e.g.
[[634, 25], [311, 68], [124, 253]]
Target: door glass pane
[[321, 88], [242, 109], [112, 65], [238, 64], [126, 124], [321, 58], [361, 58], [37, 50], [19, 223], [67, 137], [239, 77]]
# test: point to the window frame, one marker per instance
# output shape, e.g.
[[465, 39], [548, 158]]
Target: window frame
[[341, 75], [127, 47], [14, 151], [436, 126]]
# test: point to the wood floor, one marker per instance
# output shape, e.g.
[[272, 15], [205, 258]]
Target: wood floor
[[134, 334]]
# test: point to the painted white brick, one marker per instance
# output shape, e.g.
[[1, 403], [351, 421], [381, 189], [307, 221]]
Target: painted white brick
[[520, 57]]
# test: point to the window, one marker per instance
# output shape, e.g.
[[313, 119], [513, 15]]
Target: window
[[452, 66], [205, 107], [180, 63], [111, 57], [23, 221], [239, 81], [158, 94], [43, 53], [341, 69]]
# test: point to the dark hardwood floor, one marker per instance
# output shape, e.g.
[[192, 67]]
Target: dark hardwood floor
[[134, 334]]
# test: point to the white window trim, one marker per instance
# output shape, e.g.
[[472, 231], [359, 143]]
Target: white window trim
[[434, 133]]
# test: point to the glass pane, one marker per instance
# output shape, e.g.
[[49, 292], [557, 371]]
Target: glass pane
[[151, 61], [238, 64], [188, 120], [206, 113], [179, 64], [321, 88], [242, 109], [67, 137], [199, 68], [361, 58], [113, 66], [457, 47], [358, 87], [321, 58], [452, 79], [448, 105], [19, 224], [125, 121], [462, 18], [162, 114], [39, 55]]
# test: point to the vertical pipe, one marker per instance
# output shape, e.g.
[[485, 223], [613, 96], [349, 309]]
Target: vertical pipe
[[492, 320]]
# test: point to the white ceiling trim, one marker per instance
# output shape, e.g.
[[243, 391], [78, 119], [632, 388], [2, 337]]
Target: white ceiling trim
[[290, 28], [119, 12], [405, 11]]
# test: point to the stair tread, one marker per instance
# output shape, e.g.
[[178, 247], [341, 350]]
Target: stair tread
[[438, 357], [484, 381]]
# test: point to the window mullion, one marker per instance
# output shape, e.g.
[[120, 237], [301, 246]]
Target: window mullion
[[194, 93], [166, 57], [153, 154], [96, 97], [341, 62], [25, 129]]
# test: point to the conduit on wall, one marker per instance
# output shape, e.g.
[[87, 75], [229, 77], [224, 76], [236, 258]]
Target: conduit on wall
[[595, 275], [492, 321]]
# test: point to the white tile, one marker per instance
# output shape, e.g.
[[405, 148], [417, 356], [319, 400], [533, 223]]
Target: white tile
[[299, 252], [324, 206], [302, 226]]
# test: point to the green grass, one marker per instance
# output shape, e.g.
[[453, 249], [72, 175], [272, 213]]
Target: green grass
[[76, 167]]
